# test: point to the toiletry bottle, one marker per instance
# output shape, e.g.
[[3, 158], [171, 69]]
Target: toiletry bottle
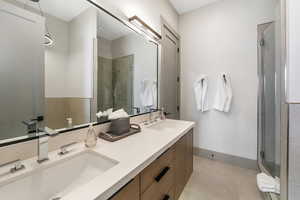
[[70, 122], [162, 114], [91, 137]]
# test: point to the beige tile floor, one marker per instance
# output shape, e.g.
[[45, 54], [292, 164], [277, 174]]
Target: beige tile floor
[[214, 180]]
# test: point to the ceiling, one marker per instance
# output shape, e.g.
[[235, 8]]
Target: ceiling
[[183, 6], [109, 28], [62, 9]]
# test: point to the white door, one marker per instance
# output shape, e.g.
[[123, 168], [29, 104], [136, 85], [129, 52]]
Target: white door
[[169, 78]]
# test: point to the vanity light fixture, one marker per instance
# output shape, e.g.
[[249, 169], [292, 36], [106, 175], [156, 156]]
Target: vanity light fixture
[[48, 39], [140, 23]]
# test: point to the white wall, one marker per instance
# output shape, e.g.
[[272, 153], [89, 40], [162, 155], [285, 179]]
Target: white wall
[[104, 46], [83, 30], [148, 10], [145, 60], [293, 48], [222, 37], [69, 62], [56, 58]]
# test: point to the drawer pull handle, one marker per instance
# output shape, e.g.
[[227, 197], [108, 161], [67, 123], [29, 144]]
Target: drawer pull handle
[[162, 173], [167, 197]]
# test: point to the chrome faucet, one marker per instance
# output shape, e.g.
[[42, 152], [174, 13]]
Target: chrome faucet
[[138, 110], [17, 165], [151, 115], [162, 115], [43, 144]]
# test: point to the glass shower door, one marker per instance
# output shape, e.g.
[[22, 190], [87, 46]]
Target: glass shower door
[[269, 101]]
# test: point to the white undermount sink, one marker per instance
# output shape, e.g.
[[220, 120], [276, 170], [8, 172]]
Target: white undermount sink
[[163, 125], [59, 179]]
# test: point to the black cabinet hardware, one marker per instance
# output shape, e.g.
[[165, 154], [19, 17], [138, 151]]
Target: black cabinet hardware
[[167, 197], [162, 173]]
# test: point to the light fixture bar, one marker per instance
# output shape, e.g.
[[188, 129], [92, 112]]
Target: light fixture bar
[[135, 19]]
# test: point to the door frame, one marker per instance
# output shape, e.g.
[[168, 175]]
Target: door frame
[[165, 26]]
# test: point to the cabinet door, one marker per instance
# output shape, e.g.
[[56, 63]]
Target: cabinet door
[[180, 166], [183, 162], [131, 191], [189, 155]]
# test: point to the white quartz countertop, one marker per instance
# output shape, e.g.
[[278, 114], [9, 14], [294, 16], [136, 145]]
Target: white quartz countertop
[[133, 154]]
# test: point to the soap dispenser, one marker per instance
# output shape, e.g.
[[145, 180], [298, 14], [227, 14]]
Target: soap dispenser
[[91, 137]]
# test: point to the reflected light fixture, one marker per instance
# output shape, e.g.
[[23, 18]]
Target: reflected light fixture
[[48, 39], [140, 23]]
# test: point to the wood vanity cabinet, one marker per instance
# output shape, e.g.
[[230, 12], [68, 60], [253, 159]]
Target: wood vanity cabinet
[[131, 191], [189, 155], [166, 177], [183, 162], [157, 180]]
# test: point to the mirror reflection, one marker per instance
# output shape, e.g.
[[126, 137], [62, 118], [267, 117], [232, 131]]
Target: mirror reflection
[[127, 68], [75, 65]]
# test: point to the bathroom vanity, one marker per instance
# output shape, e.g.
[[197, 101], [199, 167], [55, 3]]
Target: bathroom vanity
[[92, 63], [166, 177], [153, 164]]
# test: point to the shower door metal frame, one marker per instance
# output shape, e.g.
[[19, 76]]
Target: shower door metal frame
[[284, 171], [260, 111], [284, 118]]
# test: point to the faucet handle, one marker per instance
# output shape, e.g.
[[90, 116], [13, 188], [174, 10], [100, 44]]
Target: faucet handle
[[153, 109], [50, 132], [17, 165], [64, 149]]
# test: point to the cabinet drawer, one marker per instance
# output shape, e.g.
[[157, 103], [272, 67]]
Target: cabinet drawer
[[158, 190], [155, 169], [169, 195], [129, 192]]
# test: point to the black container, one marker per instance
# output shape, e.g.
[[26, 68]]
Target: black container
[[120, 126]]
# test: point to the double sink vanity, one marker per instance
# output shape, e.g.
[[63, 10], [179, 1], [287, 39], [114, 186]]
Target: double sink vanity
[[154, 164], [95, 62]]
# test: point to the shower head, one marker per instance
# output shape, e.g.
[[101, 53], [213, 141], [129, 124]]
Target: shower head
[[36, 1]]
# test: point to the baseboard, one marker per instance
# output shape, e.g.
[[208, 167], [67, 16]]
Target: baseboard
[[230, 159]]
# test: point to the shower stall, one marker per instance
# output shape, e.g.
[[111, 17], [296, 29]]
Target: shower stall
[[270, 98]]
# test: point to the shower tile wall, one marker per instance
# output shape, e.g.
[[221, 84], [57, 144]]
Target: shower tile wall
[[123, 82], [115, 83], [105, 84], [294, 152]]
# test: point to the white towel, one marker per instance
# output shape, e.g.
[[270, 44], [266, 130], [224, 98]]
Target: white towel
[[267, 183], [104, 113], [200, 93], [148, 93], [121, 113], [224, 94]]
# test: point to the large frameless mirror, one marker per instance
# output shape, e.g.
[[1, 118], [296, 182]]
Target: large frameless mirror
[[64, 64]]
